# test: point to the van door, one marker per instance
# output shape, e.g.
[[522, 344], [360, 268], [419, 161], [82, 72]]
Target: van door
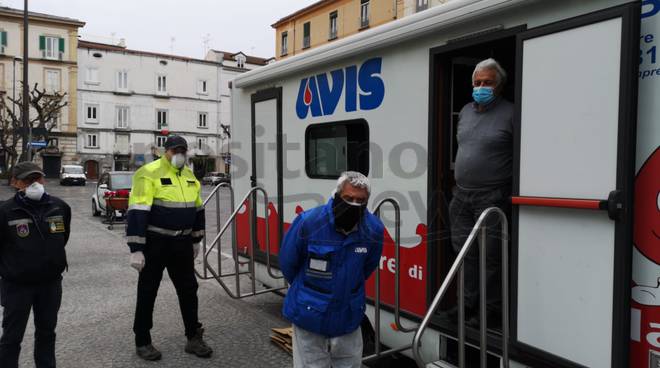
[[574, 166], [267, 166]]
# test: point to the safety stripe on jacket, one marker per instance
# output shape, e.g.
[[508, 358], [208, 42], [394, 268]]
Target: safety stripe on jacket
[[136, 239], [168, 232], [139, 207], [197, 233], [170, 204], [19, 222]]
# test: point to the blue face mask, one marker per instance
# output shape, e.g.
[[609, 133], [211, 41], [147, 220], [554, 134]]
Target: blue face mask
[[483, 95]]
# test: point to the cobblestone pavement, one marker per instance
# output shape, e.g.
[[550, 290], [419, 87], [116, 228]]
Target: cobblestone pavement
[[95, 320]]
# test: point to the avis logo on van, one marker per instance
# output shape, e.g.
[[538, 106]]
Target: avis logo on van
[[361, 87], [650, 8]]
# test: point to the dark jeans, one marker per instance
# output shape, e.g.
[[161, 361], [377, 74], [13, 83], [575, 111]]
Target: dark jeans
[[177, 256], [17, 300], [464, 211]]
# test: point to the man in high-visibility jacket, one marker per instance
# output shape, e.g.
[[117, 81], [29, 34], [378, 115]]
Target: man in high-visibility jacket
[[165, 226]]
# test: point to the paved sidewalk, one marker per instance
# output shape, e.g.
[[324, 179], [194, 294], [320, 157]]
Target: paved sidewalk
[[95, 321]]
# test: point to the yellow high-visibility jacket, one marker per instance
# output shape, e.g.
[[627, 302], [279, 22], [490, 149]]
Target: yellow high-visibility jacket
[[164, 202]]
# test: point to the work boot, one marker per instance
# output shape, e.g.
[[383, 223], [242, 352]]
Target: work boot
[[197, 346], [148, 352], [451, 315], [493, 316]]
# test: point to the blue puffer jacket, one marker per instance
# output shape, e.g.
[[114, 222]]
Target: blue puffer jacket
[[327, 270]]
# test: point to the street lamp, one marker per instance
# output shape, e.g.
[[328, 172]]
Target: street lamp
[[26, 96], [13, 89]]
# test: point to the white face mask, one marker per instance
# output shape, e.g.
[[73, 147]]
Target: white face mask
[[178, 160], [35, 191]]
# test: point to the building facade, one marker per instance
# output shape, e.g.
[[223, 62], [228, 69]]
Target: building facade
[[328, 20], [130, 101], [232, 64], [52, 64]]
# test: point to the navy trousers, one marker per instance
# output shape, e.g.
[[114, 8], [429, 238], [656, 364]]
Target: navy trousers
[[44, 300], [177, 256]]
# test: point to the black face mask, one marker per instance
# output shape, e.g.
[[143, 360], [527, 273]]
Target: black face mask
[[346, 215]]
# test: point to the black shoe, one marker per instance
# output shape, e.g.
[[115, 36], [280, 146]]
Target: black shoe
[[493, 317], [148, 352], [451, 315], [197, 346]]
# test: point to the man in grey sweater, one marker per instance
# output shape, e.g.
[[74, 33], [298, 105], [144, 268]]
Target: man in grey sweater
[[483, 173]]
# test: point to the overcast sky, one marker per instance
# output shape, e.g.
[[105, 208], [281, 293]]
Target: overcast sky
[[150, 25]]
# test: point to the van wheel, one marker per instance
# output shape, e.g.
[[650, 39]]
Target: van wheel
[[95, 210]]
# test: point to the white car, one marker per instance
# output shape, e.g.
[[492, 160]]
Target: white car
[[109, 181], [72, 175]]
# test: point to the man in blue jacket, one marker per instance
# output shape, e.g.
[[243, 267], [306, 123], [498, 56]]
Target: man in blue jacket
[[326, 256]]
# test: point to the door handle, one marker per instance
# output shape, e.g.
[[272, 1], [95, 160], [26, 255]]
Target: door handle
[[613, 205]]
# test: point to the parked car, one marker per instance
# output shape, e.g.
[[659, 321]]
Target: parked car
[[110, 181], [72, 175], [215, 178]]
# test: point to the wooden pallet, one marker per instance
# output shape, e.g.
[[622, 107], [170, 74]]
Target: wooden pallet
[[283, 337]]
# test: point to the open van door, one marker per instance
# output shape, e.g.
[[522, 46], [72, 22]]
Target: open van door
[[267, 167], [573, 187]]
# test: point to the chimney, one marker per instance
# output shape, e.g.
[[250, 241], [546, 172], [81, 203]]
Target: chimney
[[122, 42]]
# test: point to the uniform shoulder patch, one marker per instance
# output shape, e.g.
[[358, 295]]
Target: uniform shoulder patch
[[56, 224], [22, 227], [23, 230]]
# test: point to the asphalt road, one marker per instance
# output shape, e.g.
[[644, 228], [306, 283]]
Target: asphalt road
[[96, 317]]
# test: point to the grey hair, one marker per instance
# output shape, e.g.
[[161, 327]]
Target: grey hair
[[491, 64], [354, 178]]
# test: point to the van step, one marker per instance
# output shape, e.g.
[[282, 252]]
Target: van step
[[441, 364]]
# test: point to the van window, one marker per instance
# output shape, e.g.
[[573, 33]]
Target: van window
[[122, 181], [332, 148], [73, 169]]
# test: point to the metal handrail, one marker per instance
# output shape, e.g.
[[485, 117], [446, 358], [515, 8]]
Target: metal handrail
[[397, 303], [457, 268], [218, 276], [215, 193]]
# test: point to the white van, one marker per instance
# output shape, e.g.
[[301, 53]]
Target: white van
[[585, 81], [72, 175]]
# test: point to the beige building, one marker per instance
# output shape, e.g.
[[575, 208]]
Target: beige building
[[329, 20], [53, 55]]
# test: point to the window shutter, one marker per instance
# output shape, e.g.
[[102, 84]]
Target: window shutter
[[3, 38], [42, 42], [61, 45]]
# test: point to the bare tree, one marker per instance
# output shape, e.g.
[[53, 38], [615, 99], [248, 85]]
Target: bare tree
[[45, 106]]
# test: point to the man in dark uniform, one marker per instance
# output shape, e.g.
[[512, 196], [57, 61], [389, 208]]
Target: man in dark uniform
[[165, 226], [34, 229]]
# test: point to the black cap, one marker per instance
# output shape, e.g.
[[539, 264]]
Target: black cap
[[175, 141], [24, 169]]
